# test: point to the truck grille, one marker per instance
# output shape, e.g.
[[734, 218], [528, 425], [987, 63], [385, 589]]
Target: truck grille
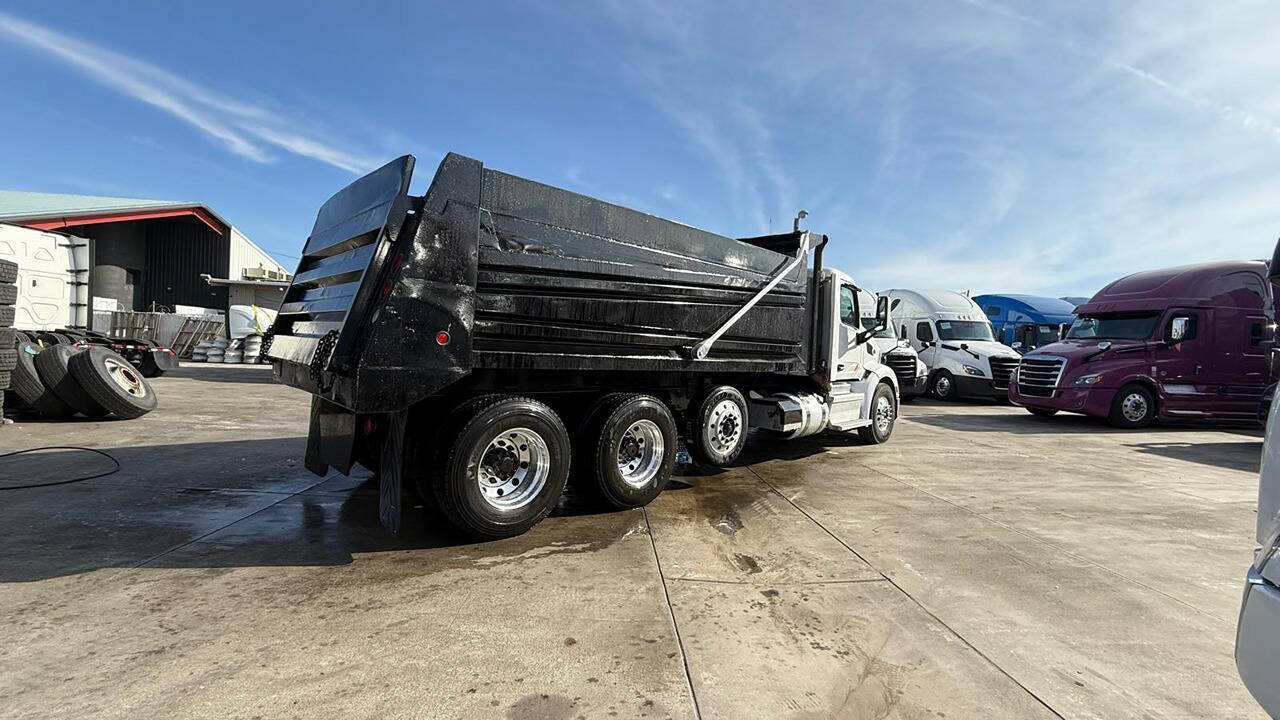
[[1039, 375], [904, 366], [1001, 369]]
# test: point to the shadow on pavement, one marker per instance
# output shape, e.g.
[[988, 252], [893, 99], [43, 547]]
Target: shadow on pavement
[[1060, 424], [1230, 455]]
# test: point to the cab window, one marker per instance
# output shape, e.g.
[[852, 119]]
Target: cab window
[[848, 308]]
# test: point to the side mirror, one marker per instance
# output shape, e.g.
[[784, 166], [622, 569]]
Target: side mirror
[[882, 313]]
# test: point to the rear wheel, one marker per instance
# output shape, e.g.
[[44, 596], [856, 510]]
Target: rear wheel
[[503, 467], [1042, 412], [943, 385], [719, 429], [627, 449], [1134, 407], [883, 414]]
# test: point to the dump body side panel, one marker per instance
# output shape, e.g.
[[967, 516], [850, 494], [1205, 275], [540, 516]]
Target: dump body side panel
[[567, 281]]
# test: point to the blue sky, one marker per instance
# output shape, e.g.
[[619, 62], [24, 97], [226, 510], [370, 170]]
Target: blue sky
[[970, 144]]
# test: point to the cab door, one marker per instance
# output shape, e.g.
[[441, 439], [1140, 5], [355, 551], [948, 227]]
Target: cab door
[[1178, 357], [845, 356]]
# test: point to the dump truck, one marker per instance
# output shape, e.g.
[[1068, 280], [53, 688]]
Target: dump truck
[[497, 338]]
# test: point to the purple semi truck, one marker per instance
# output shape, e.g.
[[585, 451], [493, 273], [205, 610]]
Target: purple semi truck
[[1190, 342]]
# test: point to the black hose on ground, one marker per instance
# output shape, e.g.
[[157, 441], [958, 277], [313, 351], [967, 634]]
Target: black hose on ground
[[61, 482]]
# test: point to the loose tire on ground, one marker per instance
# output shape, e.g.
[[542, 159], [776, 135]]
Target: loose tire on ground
[[27, 385], [718, 429], [1133, 407], [8, 271], [884, 412], [111, 381], [8, 357], [505, 465], [1042, 412], [6, 316], [626, 449], [6, 378], [8, 294], [52, 366], [943, 385]]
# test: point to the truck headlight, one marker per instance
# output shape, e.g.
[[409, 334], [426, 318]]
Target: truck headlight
[[1093, 379], [971, 370]]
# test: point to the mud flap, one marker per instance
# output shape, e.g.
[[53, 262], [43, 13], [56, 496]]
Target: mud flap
[[391, 473]]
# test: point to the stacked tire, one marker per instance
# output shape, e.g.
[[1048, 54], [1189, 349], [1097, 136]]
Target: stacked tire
[[8, 296], [59, 381]]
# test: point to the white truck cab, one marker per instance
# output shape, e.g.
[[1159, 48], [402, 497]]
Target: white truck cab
[[895, 352], [955, 341]]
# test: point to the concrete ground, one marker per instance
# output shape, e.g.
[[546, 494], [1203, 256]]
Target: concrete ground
[[982, 564]]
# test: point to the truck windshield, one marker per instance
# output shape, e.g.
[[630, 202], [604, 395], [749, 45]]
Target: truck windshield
[[1046, 334], [964, 330], [1119, 326]]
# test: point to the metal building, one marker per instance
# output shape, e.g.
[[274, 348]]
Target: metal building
[[150, 254]]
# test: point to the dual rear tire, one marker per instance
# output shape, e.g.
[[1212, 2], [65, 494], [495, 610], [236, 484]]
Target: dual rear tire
[[502, 461]]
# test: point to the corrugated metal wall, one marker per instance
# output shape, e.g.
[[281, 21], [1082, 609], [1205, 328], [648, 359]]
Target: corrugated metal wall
[[244, 254], [177, 253]]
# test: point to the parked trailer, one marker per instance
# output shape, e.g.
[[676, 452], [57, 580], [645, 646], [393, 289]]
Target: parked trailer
[[1182, 343], [485, 338]]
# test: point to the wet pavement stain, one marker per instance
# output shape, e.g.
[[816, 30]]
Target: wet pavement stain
[[746, 563]]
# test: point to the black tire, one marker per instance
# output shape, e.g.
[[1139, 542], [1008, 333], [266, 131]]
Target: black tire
[[6, 316], [8, 294], [52, 364], [112, 382], [878, 432], [147, 365], [717, 434], [21, 337], [6, 378], [1042, 412], [8, 358], [608, 433], [29, 388], [476, 442], [943, 386], [8, 271], [1127, 403]]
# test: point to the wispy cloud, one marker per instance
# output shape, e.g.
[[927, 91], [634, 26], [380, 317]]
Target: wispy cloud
[[243, 128], [1225, 111]]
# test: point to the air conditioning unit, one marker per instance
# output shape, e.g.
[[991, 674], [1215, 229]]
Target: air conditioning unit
[[257, 273]]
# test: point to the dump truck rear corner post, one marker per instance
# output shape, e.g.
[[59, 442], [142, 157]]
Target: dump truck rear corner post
[[496, 338]]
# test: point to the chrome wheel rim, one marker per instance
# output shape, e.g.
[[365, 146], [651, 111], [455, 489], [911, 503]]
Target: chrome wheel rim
[[513, 469], [942, 386], [884, 414], [641, 450], [1134, 407], [724, 427], [123, 374]]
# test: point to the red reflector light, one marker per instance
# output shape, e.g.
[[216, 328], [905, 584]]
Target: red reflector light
[[442, 338], [368, 426]]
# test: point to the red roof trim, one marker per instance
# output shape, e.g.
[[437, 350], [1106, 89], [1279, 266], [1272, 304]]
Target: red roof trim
[[65, 222]]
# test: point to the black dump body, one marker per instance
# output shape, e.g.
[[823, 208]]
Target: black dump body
[[535, 287]]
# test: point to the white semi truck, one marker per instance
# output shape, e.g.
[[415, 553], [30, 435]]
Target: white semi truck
[[956, 343]]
